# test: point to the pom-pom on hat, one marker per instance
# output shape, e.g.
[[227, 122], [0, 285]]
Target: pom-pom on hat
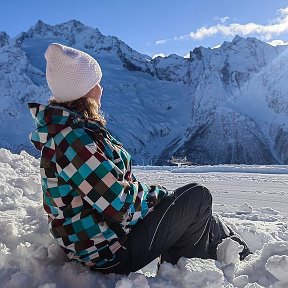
[[70, 73]]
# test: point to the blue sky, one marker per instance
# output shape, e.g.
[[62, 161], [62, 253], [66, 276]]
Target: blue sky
[[157, 26]]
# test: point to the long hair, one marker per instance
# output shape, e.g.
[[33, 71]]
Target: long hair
[[87, 107]]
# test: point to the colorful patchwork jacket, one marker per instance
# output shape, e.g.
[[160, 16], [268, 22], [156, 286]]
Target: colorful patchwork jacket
[[89, 192]]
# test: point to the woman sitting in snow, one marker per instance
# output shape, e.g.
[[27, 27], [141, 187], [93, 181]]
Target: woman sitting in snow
[[100, 214]]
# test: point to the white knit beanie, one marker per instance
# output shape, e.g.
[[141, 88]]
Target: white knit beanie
[[70, 73]]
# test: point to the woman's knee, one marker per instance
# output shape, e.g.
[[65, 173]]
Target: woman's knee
[[204, 199], [195, 201], [186, 187], [206, 193], [195, 192]]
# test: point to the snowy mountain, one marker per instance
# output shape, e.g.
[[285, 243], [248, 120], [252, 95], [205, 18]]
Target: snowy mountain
[[223, 105]]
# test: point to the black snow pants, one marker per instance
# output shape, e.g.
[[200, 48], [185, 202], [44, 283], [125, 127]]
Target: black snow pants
[[178, 227]]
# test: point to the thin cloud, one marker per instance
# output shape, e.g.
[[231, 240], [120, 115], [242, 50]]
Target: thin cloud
[[277, 43], [159, 55], [277, 27], [216, 46], [283, 11], [222, 19], [162, 41]]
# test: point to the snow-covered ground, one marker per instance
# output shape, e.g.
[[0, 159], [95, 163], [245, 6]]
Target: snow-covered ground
[[252, 199]]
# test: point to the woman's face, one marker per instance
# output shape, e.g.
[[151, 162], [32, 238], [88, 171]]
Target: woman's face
[[96, 93]]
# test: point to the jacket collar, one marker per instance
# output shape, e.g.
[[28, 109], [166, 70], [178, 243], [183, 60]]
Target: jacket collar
[[51, 119]]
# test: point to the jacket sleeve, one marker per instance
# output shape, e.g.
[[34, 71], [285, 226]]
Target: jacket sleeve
[[99, 181]]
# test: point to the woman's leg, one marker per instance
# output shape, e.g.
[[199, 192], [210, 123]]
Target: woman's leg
[[182, 225], [219, 231], [178, 227]]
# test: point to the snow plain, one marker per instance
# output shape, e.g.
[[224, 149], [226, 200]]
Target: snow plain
[[252, 199]]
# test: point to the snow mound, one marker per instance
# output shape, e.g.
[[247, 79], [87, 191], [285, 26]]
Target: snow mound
[[133, 281], [245, 208], [192, 273], [227, 252], [278, 266], [266, 265]]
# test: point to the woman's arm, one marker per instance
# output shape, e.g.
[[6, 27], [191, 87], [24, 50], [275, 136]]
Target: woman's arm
[[84, 166]]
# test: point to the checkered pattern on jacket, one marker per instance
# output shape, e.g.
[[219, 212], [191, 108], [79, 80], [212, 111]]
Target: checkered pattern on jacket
[[89, 192]]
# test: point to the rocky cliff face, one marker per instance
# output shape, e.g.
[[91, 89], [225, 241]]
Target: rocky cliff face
[[224, 105]]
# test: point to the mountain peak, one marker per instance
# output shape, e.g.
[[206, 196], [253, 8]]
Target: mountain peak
[[75, 23], [77, 27], [40, 26], [66, 30], [4, 39], [251, 40], [237, 38], [241, 43]]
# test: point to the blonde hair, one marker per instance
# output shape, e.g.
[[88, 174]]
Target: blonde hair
[[87, 107]]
